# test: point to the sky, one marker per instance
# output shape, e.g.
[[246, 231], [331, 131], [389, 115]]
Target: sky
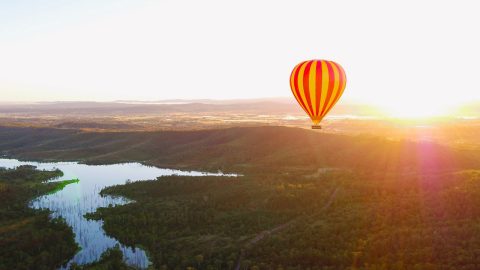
[[421, 55]]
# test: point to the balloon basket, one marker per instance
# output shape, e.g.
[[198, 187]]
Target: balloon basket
[[316, 127]]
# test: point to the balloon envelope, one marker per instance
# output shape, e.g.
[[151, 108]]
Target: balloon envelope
[[317, 85]]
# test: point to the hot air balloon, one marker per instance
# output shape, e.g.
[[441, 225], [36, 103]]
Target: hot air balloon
[[317, 85]]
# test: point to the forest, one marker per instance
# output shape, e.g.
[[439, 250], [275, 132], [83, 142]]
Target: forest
[[331, 220], [111, 259], [29, 238], [305, 200], [236, 150]]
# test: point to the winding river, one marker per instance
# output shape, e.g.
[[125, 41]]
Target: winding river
[[77, 199]]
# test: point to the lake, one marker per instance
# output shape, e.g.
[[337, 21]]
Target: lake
[[77, 199]]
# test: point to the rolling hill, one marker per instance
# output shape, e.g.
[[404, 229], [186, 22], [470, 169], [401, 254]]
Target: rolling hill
[[241, 149]]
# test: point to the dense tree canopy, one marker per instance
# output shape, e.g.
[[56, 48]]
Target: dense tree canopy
[[29, 239], [373, 204], [373, 221]]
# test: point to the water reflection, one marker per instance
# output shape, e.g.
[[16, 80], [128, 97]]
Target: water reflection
[[77, 199]]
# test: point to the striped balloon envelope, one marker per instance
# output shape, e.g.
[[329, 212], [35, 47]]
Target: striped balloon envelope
[[317, 85]]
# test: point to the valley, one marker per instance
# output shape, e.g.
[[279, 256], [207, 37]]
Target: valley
[[397, 204]]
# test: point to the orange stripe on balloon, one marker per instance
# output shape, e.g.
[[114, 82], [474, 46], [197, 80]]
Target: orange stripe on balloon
[[306, 86], [295, 88], [292, 86], [301, 89]]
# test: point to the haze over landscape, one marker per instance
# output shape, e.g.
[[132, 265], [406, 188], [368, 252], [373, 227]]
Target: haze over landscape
[[395, 53], [167, 135]]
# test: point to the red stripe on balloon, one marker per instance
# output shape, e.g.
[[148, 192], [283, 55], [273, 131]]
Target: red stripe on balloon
[[318, 85], [341, 83]]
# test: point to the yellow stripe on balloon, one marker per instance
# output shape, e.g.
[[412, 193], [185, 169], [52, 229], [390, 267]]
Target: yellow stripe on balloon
[[292, 82], [344, 81], [312, 79], [336, 88], [325, 81], [301, 88]]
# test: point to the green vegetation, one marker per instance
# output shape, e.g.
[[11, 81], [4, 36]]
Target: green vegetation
[[190, 218], [112, 259], [204, 222], [331, 220], [62, 184], [239, 150], [29, 239], [373, 204]]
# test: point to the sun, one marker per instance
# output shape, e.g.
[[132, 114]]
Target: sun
[[415, 112], [416, 109]]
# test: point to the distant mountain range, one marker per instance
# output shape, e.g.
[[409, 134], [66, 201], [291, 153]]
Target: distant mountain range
[[212, 101], [274, 106], [129, 107]]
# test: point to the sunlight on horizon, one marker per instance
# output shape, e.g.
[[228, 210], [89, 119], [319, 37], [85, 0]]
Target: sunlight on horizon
[[419, 109], [147, 50]]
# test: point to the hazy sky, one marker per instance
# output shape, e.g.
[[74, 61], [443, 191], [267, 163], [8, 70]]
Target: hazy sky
[[395, 53]]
